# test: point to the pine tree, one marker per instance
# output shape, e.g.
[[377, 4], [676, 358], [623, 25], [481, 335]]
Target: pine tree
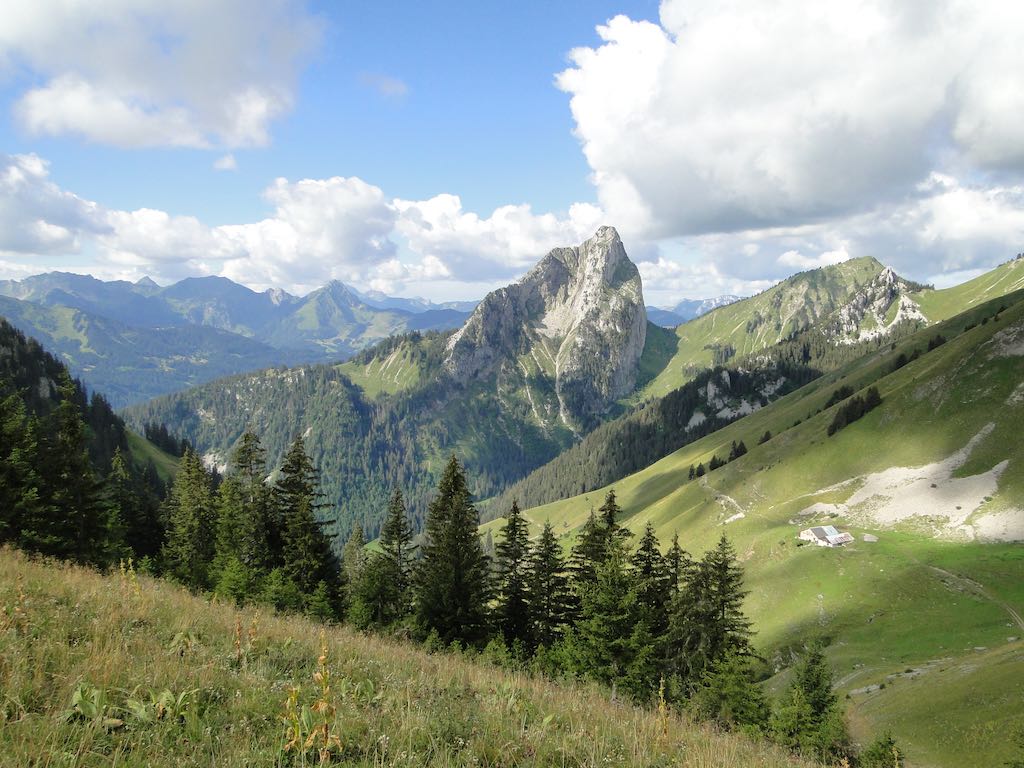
[[707, 620], [191, 518], [397, 550], [609, 514], [306, 557], [452, 581], [549, 596], [511, 562]]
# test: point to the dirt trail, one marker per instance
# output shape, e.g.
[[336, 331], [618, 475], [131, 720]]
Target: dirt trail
[[970, 585]]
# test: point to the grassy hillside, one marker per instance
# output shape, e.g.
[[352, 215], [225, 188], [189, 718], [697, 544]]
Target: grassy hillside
[[750, 325], [99, 671], [929, 610], [1006, 278]]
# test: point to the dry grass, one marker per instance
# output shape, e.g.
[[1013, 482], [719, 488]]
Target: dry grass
[[130, 671]]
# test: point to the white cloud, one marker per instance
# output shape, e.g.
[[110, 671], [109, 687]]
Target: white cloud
[[143, 73], [36, 216], [737, 116], [500, 246], [225, 163]]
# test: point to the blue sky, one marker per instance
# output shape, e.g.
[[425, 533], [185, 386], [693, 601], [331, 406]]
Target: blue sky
[[441, 148]]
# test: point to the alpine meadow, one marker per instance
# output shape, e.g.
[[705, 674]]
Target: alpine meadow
[[631, 383]]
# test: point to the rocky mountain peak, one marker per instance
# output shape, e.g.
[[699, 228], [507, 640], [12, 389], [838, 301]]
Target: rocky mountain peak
[[575, 323]]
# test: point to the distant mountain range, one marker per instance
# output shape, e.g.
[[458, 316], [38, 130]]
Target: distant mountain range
[[686, 310], [134, 341]]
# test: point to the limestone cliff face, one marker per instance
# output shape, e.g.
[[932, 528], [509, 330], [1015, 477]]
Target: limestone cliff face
[[576, 321], [875, 310]]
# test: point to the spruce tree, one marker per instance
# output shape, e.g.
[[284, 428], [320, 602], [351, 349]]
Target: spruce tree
[[511, 563], [353, 556], [678, 566], [123, 509], [397, 551], [650, 575], [707, 620], [611, 642], [20, 481], [306, 557], [261, 544], [587, 553], [548, 588], [728, 693], [808, 719], [452, 581], [77, 526], [191, 519]]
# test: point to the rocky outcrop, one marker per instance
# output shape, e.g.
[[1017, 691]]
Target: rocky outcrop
[[577, 319], [875, 310]]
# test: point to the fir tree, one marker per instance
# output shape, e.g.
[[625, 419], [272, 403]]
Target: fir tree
[[548, 584], [76, 517], [123, 509], [189, 549], [452, 586], [808, 719], [306, 557], [511, 563], [611, 642], [587, 553], [397, 550], [353, 556], [707, 620], [678, 566], [651, 579], [728, 694], [884, 752], [261, 545], [20, 482]]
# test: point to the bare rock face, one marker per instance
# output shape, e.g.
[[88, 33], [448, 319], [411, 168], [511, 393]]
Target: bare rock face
[[870, 312], [577, 320]]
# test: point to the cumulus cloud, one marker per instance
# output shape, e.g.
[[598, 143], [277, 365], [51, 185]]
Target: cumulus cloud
[[144, 73], [500, 246], [734, 116], [37, 216], [317, 230]]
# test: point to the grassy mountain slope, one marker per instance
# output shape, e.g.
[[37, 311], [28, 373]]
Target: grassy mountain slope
[[927, 610], [227, 674], [1006, 278], [750, 325]]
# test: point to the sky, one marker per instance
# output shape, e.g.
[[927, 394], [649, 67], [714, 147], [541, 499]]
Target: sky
[[440, 149]]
